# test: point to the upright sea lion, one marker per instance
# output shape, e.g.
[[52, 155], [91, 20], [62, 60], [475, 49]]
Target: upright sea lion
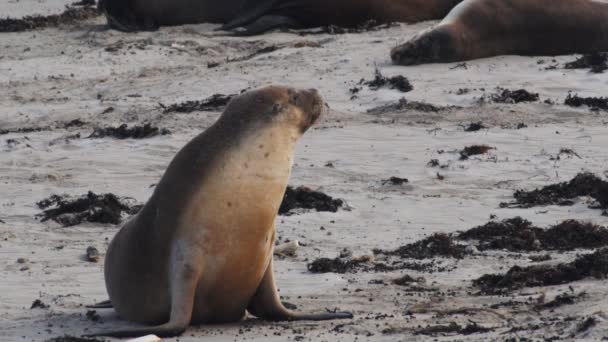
[[485, 28], [200, 250], [257, 16]]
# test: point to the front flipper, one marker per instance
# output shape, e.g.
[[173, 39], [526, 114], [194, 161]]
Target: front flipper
[[264, 24], [266, 304]]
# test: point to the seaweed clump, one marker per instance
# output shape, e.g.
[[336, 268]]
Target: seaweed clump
[[590, 265], [514, 96], [517, 234], [474, 150], [106, 208], [124, 132], [213, 103], [563, 194], [306, 198], [595, 103], [396, 82], [69, 16], [436, 245]]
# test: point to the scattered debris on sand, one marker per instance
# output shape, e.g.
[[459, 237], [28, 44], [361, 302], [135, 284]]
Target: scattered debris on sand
[[404, 105], [597, 62], [407, 280], [336, 265], [395, 181], [436, 245], [369, 263], [368, 26], [215, 102], [452, 328], [306, 198], [396, 82], [93, 316], [589, 265], [92, 254], [474, 150], [587, 324], [107, 208], [561, 300], [473, 127], [519, 235], [514, 96], [124, 132], [24, 130], [594, 103], [68, 338], [583, 184], [38, 304], [70, 16]]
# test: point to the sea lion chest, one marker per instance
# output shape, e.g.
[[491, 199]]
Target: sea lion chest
[[230, 217]]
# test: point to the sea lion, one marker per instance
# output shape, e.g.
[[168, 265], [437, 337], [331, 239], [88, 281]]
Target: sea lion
[[485, 28], [249, 17], [200, 250]]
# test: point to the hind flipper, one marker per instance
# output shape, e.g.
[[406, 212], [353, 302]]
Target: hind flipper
[[183, 289], [264, 24], [106, 304]]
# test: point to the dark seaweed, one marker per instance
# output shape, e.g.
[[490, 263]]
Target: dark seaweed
[[514, 96], [405, 105], [395, 181], [452, 328], [68, 338], [107, 208], [215, 102], [517, 234], [68, 17], [396, 82], [583, 184], [594, 103], [474, 127], [589, 265], [436, 245], [124, 132], [474, 150], [303, 197]]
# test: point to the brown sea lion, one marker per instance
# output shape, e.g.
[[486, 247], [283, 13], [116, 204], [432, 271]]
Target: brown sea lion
[[485, 28], [248, 17], [200, 250]]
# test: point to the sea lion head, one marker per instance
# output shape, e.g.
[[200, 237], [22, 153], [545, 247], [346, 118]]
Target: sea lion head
[[295, 109], [438, 45]]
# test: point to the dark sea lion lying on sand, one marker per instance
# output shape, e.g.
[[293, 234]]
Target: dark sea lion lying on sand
[[254, 17], [485, 28]]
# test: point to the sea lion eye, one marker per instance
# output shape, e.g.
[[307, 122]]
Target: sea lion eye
[[277, 108]]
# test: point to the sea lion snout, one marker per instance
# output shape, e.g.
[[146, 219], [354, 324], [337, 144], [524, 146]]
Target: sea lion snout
[[312, 104], [434, 46]]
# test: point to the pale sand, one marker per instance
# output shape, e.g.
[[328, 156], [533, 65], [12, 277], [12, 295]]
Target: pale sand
[[57, 75]]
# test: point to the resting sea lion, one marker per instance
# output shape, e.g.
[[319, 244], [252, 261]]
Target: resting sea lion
[[485, 28], [257, 16], [200, 250]]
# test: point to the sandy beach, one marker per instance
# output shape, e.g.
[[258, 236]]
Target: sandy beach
[[83, 71]]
